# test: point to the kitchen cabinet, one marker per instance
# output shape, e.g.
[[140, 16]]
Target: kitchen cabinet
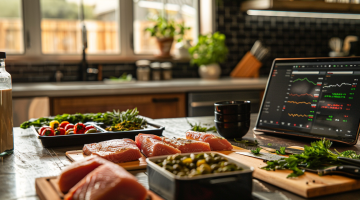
[[155, 106]]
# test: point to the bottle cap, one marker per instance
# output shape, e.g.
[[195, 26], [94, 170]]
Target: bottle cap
[[2, 55]]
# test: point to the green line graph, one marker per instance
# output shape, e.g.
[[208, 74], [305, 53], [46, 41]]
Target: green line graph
[[304, 79]]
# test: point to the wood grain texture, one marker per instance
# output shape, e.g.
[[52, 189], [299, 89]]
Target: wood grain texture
[[309, 185], [150, 105], [132, 165]]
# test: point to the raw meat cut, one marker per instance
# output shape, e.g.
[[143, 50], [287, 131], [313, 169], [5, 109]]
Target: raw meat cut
[[109, 181], [153, 147], [77, 171], [187, 146], [216, 143], [117, 151], [141, 135]]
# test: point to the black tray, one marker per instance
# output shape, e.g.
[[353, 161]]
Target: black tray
[[81, 139], [228, 185]]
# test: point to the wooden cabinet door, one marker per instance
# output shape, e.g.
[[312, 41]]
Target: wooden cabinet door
[[149, 105]]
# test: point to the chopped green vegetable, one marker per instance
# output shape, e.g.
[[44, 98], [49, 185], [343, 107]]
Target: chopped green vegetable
[[256, 151], [316, 156], [199, 128], [108, 118], [282, 151], [269, 144]]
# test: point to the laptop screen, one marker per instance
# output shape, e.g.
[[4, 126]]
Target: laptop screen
[[313, 98]]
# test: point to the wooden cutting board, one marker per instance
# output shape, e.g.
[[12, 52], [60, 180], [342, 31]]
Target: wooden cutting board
[[133, 165], [308, 185], [47, 189]]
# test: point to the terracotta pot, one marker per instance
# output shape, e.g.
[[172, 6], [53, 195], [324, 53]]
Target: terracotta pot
[[164, 45], [211, 71]]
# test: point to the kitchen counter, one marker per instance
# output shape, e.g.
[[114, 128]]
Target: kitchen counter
[[31, 160], [138, 87]]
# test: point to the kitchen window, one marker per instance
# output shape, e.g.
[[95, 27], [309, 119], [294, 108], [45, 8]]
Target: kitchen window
[[61, 26], [51, 30], [11, 27]]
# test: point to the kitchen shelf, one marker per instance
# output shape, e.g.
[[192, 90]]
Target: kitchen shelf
[[304, 6]]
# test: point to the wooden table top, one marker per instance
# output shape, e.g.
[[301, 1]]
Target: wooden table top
[[30, 160]]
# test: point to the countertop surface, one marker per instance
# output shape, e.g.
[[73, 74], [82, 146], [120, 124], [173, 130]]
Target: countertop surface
[[31, 160], [136, 87]]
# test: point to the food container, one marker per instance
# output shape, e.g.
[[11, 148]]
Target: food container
[[166, 70], [143, 70], [81, 139], [156, 71], [226, 185]]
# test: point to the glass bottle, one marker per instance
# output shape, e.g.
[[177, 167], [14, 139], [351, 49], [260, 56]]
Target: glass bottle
[[6, 117]]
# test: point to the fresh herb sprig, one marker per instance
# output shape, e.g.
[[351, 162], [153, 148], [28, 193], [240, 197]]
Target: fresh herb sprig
[[316, 156], [256, 151], [199, 128], [282, 151], [247, 142]]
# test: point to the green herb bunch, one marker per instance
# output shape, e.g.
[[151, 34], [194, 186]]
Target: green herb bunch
[[210, 49], [199, 128], [256, 151], [316, 156]]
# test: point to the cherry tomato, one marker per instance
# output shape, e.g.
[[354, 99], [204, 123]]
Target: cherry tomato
[[63, 124], [67, 127], [48, 131], [79, 128], [89, 127], [60, 131], [42, 129]]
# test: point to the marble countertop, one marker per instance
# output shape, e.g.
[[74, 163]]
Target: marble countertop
[[136, 87]]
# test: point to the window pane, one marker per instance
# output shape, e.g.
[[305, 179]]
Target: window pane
[[11, 27], [177, 10], [61, 26]]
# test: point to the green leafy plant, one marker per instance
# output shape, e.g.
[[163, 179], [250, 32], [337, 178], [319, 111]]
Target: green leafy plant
[[163, 28], [269, 144], [210, 49], [282, 151], [256, 151], [316, 156]]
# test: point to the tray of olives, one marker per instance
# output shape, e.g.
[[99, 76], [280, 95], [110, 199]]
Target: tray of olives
[[208, 175]]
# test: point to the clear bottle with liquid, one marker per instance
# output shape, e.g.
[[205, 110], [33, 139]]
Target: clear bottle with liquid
[[6, 117]]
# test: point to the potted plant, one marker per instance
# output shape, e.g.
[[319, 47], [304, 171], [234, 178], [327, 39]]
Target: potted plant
[[164, 31], [208, 53]]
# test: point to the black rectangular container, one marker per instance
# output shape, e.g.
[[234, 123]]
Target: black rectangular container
[[227, 185], [81, 139]]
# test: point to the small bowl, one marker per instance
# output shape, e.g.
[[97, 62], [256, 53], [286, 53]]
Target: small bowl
[[232, 107], [232, 130], [232, 118]]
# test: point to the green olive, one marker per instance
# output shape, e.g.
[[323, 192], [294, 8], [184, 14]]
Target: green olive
[[192, 165], [199, 156], [181, 174], [214, 167], [176, 167], [209, 160]]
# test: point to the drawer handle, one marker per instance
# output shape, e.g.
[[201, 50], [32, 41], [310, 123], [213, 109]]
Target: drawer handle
[[168, 100]]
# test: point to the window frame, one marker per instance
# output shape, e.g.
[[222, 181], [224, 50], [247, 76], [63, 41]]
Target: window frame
[[31, 16]]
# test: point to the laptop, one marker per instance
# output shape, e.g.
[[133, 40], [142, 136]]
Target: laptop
[[314, 98]]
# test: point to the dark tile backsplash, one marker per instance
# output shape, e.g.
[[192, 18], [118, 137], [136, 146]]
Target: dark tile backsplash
[[46, 72], [286, 36]]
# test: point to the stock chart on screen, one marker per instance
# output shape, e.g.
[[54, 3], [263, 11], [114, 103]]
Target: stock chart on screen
[[317, 98]]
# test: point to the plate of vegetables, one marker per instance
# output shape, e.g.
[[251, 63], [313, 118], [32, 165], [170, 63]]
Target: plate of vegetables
[[79, 129]]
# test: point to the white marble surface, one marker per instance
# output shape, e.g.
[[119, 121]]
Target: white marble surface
[[116, 88]]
